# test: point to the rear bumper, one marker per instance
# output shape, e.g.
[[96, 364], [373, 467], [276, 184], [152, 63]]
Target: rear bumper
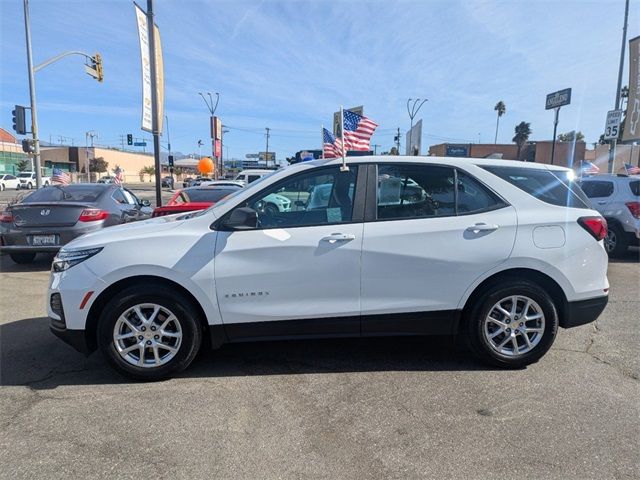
[[583, 311], [76, 338]]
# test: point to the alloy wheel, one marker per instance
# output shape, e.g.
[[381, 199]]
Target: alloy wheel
[[610, 241], [514, 326], [147, 335]]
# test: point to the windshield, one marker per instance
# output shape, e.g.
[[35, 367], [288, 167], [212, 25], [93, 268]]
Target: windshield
[[204, 194]]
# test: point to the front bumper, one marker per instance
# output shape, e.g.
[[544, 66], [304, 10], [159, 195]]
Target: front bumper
[[76, 338], [582, 312], [29, 249]]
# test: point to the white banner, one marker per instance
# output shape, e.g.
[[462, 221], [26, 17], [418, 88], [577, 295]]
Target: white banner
[[159, 78], [143, 34]]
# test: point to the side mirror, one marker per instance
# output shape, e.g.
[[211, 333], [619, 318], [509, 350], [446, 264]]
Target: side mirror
[[145, 203], [243, 218]]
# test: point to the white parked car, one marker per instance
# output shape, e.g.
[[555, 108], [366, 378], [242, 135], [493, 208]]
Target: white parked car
[[9, 181], [500, 252], [617, 198], [28, 180], [250, 176]]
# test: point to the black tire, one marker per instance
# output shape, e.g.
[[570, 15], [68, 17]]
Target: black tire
[[181, 306], [616, 243], [474, 319], [29, 186], [1, 187], [271, 210], [22, 258]]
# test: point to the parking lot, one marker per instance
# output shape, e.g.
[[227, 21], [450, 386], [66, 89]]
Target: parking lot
[[349, 408]]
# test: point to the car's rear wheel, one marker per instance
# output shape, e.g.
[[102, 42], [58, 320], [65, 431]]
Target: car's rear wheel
[[615, 243], [23, 257], [149, 333], [511, 324]]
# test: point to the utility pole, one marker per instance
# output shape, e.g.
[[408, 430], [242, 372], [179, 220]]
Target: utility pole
[[212, 111], [612, 149], [375, 148], [266, 153], [154, 102], [397, 139], [32, 95]]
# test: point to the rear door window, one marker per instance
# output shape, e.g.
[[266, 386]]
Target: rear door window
[[597, 188], [555, 188], [474, 197]]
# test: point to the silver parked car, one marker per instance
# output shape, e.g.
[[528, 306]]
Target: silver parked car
[[53, 216], [617, 198]]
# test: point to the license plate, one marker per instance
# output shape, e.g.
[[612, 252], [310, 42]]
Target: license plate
[[44, 240]]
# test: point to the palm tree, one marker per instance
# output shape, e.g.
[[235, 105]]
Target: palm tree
[[501, 109], [523, 130]]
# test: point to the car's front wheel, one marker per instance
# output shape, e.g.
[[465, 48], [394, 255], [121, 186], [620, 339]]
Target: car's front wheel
[[149, 333], [512, 324]]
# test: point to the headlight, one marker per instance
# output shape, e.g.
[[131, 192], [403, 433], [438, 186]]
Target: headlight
[[65, 259]]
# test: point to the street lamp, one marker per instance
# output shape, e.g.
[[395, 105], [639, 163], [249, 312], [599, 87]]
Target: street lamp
[[413, 109]]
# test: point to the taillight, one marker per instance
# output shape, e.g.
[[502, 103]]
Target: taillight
[[634, 208], [93, 215], [596, 226], [6, 216]]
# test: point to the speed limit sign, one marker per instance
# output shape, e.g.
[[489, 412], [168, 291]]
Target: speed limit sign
[[612, 127]]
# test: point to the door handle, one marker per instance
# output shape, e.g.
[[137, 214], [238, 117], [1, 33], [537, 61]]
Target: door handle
[[601, 202], [338, 237], [482, 227]]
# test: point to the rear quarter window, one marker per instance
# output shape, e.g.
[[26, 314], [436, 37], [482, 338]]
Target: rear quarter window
[[597, 188], [635, 187], [555, 188]]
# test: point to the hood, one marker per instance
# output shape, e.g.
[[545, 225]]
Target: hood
[[147, 228]]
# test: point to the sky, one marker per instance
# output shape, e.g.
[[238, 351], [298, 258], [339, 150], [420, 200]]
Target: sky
[[288, 65]]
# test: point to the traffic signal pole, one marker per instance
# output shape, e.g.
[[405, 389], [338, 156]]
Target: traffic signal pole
[[32, 95]]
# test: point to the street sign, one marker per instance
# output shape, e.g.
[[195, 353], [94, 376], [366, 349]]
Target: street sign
[[558, 99], [139, 144], [612, 126]]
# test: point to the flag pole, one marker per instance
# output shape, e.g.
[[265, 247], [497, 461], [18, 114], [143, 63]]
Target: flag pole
[[322, 140], [344, 167]]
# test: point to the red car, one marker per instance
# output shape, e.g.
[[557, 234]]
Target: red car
[[195, 198]]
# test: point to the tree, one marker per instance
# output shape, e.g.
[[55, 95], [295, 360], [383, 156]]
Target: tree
[[522, 130], [23, 165], [393, 151], [571, 136], [149, 170], [501, 109], [98, 165]]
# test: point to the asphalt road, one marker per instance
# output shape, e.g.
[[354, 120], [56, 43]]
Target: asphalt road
[[356, 408]]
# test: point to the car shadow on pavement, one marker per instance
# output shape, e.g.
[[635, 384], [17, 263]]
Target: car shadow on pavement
[[632, 256], [30, 355], [41, 263]]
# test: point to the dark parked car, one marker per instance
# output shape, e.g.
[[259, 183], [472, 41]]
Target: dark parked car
[[167, 182], [53, 216]]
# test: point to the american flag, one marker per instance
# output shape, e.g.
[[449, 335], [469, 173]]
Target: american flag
[[332, 146], [60, 176], [588, 168], [118, 179], [631, 169], [357, 131]]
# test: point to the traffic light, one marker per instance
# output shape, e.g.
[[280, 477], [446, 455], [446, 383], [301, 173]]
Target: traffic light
[[28, 145], [19, 120], [171, 161], [97, 66], [129, 139]]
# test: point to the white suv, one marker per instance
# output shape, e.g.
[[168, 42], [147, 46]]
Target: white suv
[[617, 198], [501, 252]]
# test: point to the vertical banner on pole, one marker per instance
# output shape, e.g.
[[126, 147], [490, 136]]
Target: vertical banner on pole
[[632, 123], [159, 79], [145, 62]]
